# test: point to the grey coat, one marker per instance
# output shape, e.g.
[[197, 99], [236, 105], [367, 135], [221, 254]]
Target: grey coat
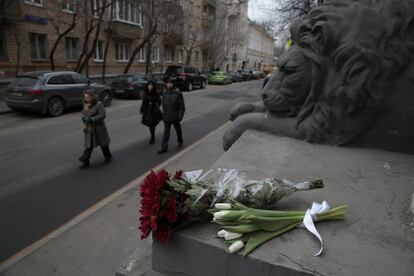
[[95, 130]]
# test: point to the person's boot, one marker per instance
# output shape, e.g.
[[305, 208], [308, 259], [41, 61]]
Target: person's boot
[[161, 151], [152, 141], [85, 164]]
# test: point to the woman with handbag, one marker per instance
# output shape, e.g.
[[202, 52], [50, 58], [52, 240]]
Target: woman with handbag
[[150, 109], [96, 134]]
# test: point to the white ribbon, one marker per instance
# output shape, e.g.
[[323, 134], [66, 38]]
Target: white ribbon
[[310, 217]]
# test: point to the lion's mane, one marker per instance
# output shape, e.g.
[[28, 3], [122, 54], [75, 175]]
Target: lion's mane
[[352, 52]]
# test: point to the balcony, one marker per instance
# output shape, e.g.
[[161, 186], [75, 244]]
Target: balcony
[[121, 29]]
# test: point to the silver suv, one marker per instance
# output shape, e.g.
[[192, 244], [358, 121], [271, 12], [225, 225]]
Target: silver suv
[[52, 92]]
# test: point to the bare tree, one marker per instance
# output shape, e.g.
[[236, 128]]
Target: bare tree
[[148, 9], [107, 43], [158, 24], [57, 16], [287, 10], [192, 43], [93, 23]]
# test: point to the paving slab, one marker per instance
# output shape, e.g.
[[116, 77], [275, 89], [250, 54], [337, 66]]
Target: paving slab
[[376, 237]]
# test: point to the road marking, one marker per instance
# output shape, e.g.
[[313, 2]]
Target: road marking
[[97, 206]]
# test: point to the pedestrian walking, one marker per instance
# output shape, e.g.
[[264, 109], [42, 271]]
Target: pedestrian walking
[[173, 109], [96, 134], [150, 109]]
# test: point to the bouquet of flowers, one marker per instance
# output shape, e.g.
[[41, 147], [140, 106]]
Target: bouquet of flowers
[[247, 227], [171, 201]]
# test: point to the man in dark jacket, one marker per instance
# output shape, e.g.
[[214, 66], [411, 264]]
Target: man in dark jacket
[[173, 109]]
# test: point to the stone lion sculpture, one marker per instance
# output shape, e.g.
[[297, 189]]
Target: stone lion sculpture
[[347, 79]]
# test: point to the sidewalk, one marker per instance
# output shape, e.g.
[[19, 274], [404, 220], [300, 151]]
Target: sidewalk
[[105, 239]]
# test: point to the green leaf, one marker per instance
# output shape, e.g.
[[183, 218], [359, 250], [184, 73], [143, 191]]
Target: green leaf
[[242, 229], [274, 224], [260, 237]]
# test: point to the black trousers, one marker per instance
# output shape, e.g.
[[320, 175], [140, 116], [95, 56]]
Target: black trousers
[[88, 152], [152, 131], [166, 136]]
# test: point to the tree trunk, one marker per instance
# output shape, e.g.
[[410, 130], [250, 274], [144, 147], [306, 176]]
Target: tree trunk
[[89, 53], [108, 37], [59, 38], [139, 46], [18, 54]]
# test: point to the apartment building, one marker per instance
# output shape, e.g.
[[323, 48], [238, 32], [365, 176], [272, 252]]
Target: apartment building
[[83, 35], [75, 29], [260, 47]]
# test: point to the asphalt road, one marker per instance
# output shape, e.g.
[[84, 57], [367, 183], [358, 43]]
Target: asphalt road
[[41, 186]]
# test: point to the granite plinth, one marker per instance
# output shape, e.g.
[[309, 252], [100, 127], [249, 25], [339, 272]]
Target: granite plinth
[[376, 238]]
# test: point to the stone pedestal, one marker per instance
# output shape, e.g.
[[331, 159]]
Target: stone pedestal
[[376, 237]]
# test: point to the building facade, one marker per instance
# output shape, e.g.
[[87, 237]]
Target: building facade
[[260, 47], [96, 37]]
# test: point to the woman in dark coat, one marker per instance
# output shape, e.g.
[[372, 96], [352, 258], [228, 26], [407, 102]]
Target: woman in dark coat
[[96, 134], [150, 109]]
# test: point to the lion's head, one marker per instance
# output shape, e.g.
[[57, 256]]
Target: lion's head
[[346, 56]]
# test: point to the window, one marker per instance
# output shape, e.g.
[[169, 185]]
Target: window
[[98, 54], [167, 26], [96, 7], [61, 80], [121, 51], [155, 54], [71, 44], [79, 79], [168, 55], [180, 56], [68, 5], [3, 52], [141, 55], [34, 2], [38, 46], [197, 56], [128, 11]]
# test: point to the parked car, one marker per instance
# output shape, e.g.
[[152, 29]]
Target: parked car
[[256, 74], [246, 75], [133, 86], [52, 92], [219, 77], [235, 76], [186, 77]]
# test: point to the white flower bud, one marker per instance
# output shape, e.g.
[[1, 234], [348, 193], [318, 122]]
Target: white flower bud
[[232, 236], [236, 246], [220, 215], [221, 233], [223, 206]]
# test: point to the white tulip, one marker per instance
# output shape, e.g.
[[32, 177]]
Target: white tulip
[[232, 236], [223, 206], [236, 246], [221, 233], [220, 215]]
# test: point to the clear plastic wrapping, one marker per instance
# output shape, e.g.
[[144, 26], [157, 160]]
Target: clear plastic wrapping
[[223, 185]]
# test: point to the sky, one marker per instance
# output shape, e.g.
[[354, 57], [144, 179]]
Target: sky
[[259, 9]]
